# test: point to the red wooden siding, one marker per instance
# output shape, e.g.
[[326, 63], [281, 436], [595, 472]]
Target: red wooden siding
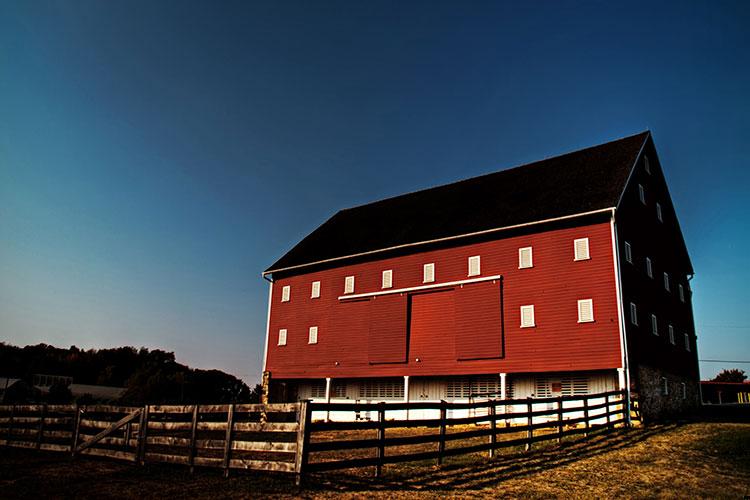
[[553, 285], [387, 339], [478, 328]]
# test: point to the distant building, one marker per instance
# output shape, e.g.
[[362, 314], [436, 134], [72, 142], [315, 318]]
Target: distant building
[[565, 276], [725, 392], [97, 392]]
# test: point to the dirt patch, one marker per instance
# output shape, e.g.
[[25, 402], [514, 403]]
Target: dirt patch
[[666, 461]]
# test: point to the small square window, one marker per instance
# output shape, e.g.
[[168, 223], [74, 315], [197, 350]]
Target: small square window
[[349, 284], [428, 273], [585, 311], [642, 193], [649, 268], [628, 253], [633, 314], [671, 334], [313, 335], [525, 258], [687, 342], [527, 316], [681, 290], [666, 282], [474, 269], [388, 278], [315, 292], [658, 212], [286, 293], [654, 325], [581, 249], [282, 336]]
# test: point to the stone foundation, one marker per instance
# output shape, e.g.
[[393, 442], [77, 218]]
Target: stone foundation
[[654, 404]]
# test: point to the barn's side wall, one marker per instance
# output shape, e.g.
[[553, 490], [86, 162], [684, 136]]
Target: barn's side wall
[[430, 334]]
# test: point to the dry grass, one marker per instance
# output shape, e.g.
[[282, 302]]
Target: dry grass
[[688, 461]]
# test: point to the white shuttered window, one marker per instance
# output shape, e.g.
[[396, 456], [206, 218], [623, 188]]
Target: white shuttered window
[[666, 282], [428, 273], [633, 314], [649, 268], [681, 289], [581, 249], [286, 292], [671, 334], [312, 337], [585, 310], [527, 316], [628, 253], [349, 284], [474, 266], [658, 212], [282, 336], [525, 258], [315, 292], [387, 278], [654, 325], [642, 193]]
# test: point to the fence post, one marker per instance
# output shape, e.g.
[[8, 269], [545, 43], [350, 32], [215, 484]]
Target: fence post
[[228, 439], [586, 415], [441, 442], [606, 399], [193, 432], [559, 419], [143, 435], [493, 424], [128, 434], [381, 439], [76, 429], [303, 439], [40, 430], [530, 420]]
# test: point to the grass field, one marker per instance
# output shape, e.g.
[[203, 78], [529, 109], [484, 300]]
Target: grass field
[[697, 460]]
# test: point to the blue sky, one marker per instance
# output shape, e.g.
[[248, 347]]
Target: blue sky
[[155, 157]]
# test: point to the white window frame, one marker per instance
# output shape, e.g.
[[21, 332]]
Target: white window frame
[[684, 390], [659, 214], [654, 325], [646, 165], [529, 251], [282, 336], [530, 308], [681, 290], [671, 335], [387, 281], [312, 335], [348, 285], [649, 268], [666, 282], [315, 290], [581, 303], [664, 386], [577, 257], [428, 273], [642, 193], [628, 253], [475, 265], [286, 293], [633, 314], [687, 342]]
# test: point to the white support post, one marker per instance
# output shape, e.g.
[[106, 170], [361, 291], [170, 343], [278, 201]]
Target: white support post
[[621, 378], [406, 393], [503, 390], [328, 397]]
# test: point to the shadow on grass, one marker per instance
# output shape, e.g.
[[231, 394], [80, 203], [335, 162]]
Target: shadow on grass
[[474, 473]]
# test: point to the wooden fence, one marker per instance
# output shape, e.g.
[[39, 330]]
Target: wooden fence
[[235, 436], [303, 437]]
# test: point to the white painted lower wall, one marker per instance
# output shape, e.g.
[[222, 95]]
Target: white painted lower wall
[[436, 389]]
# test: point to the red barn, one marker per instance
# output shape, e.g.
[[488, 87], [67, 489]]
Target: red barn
[[565, 276]]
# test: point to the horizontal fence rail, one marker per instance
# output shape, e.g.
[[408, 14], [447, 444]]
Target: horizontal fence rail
[[293, 438]]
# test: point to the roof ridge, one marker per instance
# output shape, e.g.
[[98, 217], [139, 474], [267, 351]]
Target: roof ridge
[[509, 169]]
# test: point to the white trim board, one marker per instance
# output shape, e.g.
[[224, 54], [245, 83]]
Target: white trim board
[[418, 288]]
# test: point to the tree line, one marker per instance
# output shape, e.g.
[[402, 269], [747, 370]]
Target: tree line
[[149, 376]]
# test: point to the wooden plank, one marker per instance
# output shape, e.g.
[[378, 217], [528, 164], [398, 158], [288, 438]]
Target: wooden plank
[[493, 434], [264, 446], [76, 430], [54, 447], [168, 440], [586, 416], [164, 457], [57, 434], [109, 430], [381, 440], [354, 444], [156, 409], [40, 430], [441, 442], [214, 408], [103, 452], [22, 444], [530, 429], [262, 465], [269, 408], [20, 420], [142, 435], [342, 464], [267, 427], [178, 426], [209, 444], [228, 440], [208, 461], [111, 409]]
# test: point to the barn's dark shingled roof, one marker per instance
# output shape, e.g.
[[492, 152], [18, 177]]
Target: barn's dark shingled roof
[[573, 183]]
